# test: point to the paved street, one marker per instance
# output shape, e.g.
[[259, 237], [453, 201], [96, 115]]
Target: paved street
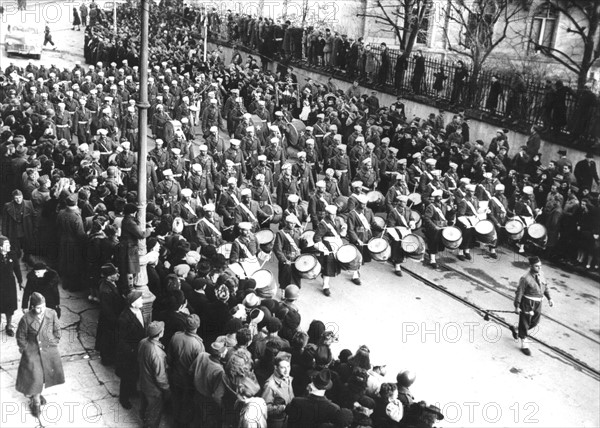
[[472, 368]]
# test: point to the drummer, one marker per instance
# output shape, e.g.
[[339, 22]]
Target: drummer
[[287, 249], [187, 208], [249, 211], [228, 201], [328, 239], [341, 164], [399, 188], [209, 230], [498, 210], [294, 208], [461, 190], [263, 170], [286, 185], [260, 191], [367, 174], [235, 155], [527, 211], [318, 202], [361, 225], [331, 184], [450, 178], [245, 247], [467, 218], [275, 157], [436, 217], [357, 189], [399, 224]]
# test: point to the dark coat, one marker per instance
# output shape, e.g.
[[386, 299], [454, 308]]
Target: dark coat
[[72, 239], [47, 286], [130, 333], [311, 412], [9, 269], [131, 233], [9, 223], [111, 306], [40, 364]]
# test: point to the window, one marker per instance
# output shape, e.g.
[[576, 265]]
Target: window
[[424, 33], [543, 28]]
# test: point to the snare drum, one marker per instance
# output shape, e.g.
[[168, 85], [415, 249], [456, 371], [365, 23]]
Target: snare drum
[[265, 284], [375, 200], [416, 217], [380, 249], [380, 221], [266, 240], [485, 231], [307, 239], [538, 234], [349, 257], [515, 229], [415, 200], [414, 246], [275, 210], [308, 266], [341, 202], [451, 237], [225, 249]]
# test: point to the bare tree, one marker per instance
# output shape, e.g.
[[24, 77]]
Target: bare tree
[[483, 25], [583, 19], [405, 18]]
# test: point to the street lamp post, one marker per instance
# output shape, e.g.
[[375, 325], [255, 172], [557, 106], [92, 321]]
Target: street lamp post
[[143, 105]]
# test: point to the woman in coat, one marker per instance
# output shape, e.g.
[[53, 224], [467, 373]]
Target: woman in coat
[[9, 271], [38, 335], [76, 20], [42, 280]]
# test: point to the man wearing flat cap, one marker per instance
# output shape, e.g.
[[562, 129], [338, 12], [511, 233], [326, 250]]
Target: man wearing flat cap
[[154, 384], [315, 409], [209, 386], [531, 290], [112, 304]]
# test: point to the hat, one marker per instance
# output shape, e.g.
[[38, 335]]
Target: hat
[[176, 151], [130, 209], [246, 192], [262, 158], [186, 192], [528, 190], [321, 184], [72, 199], [367, 161], [292, 219], [534, 260], [309, 142], [192, 322], [470, 187], [322, 380], [214, 129], [437, 192], [499, 186], [430, 161], [465, 180], [251, 301], [155, 328], [416, 155], [235, 142], [357, 184], [167, 172], [192, 257], [133, 296], [403, 198], [362, 199], [247, 115], [402, 161], [393, 150], [245, 225], [217, 348], [36, 299], [366, 401], [209, 207], [331, 209], [453, 165], [197, 167], [293, 198], [108, 270], [292, 292]]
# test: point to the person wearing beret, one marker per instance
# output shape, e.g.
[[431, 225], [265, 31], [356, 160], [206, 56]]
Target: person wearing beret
[[131, 329], [10, 275], [112, 304], [72, 238], [531, 290], [38, 335]]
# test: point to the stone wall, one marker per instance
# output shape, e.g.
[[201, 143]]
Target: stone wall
[[479, 130]]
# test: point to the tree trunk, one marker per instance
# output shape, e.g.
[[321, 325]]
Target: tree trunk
[[473, 94]]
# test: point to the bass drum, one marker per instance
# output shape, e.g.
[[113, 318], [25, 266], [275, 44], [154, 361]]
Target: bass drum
[[308, 266], [266, 240], [376, 201], [172, 128], [265, 284], [380, 249], [295, 129]]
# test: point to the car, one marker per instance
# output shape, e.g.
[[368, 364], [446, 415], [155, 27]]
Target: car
[[24, 40]]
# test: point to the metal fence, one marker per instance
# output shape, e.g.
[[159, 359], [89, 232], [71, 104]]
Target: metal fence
[[522, 101]]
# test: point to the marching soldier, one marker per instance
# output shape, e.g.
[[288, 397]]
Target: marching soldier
[[486, 188], [341, 164], [236, 156], [216, 146], [189, 210], [437, 216], [177, 165], [209, 230], [328, 239], [228, 201], [160, 155], [301, 171], [313, 159], [130, 127], [361, 224], [275, 158], [318, 202], [450, 178], [527, 211], [245, 247], [294, 208], [158, 121], [415, 170], [211, 116], [169, 190], [399, 223], [82, 120], [331, 184], [467, 216], [398, 189], [62, 121], [200, 184], [262, 170], [249, 211], [287, 249], [251, 149], [367, 175], [287, 185], [126, 161]]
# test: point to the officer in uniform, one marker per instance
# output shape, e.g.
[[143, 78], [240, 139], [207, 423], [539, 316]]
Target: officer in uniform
[[531, 290], [399, 223], [287, 249], [437, 216], [209, 230]]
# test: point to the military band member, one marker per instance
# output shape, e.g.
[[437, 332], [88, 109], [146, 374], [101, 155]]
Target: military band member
[[461, 190], [303, 174], [437, 216], [208, 164], [251, 149], [126, 161], [318, 202], [450, 177], [216, 146], [260, 191], [328, 239], [367, 175], [399, 223], [249, 211], [415, 170], [209, 230], [531, 290], [200, 184], [177, 165], [499, 211], [228, 201], [265, 171], [527, 211], [399, 188], [287, 185], [361, 225], [190, 212], [293, 207], [467, 218], [341, 164], [169, 190], [160, 155], [331, 184], [275, 158], [245, 247], [352, 203], [313, 159], [236, 156], [287, 249]]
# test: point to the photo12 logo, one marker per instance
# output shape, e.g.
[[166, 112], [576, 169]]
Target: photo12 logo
[[491, 412], [38, 13]]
